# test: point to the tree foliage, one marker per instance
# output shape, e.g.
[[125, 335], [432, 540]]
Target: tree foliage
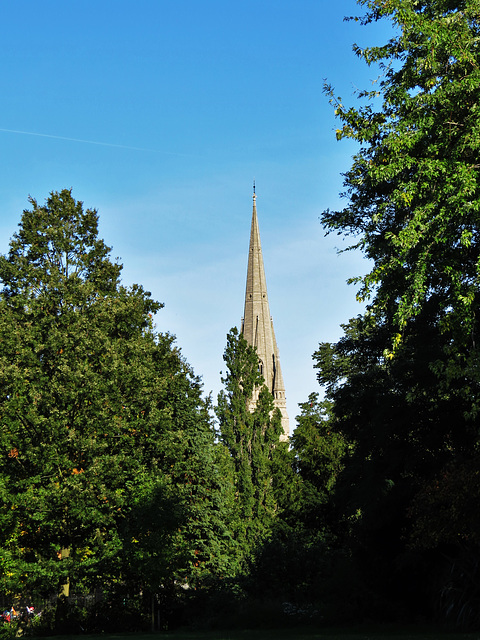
[[413, 188], [251, 434], [103, 425], [317, 453], [319, 450], [404, 378]]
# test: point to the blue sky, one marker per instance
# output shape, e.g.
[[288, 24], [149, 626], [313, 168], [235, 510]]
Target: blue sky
[[160, 114]]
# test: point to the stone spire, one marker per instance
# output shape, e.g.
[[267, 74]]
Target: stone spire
[[257, 324]]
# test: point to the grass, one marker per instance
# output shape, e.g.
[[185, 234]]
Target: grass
[[299, 633]]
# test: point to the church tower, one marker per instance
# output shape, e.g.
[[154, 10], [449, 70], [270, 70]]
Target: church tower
[[257, 324]]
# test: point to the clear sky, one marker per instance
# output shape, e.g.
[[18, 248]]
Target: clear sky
[[160, 114]]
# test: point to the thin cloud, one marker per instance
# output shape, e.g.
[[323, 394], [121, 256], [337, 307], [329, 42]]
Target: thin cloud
[[101, 144]]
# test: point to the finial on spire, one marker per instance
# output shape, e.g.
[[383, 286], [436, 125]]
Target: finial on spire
[[254, 196]]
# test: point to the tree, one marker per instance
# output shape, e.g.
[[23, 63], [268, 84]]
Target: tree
[[404, 378], [105, 439], [319, 451], [413, 187], [251, 434]]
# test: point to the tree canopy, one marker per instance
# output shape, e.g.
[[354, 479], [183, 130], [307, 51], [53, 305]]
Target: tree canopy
[[404, 378], [105, 440], [251, 434], [413, 187]]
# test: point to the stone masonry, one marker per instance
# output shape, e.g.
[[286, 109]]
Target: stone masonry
[[257, 324]]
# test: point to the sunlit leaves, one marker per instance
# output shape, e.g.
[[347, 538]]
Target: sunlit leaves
[[404, 379], [414, 187]]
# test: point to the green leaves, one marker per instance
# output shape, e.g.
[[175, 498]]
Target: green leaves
[[250, 429], [414, 186], [102, 421], [57, 242], [404, 379]]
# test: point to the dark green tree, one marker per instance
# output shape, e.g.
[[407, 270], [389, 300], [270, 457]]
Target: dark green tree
[[404, 379], [105, 442], [251, 433], [413, 187], [319, 451], [297, 563]]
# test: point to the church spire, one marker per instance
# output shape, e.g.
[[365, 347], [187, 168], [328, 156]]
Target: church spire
[[257, 324]]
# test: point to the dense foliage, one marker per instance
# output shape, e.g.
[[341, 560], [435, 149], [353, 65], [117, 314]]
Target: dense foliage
[[251, 434], [106, 445], [112, 476], [404, 379]]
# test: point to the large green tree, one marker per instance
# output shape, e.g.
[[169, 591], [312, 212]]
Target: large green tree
[[298, 562], [251, 434], [413, 188], [106, 460], [404, 379], [318, 451]]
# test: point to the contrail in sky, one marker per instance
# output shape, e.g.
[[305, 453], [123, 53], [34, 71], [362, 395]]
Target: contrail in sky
[[101, 144]]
